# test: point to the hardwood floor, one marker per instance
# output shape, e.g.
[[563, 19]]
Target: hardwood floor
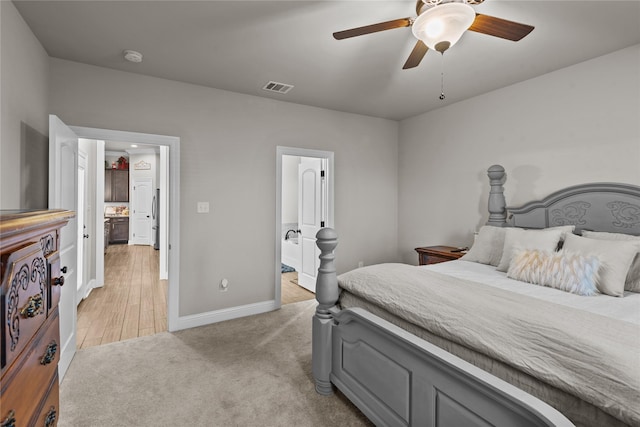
[[291, 291], [132, 303]]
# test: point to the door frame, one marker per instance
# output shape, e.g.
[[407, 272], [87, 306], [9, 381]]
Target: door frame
[[329, 221], [173, 243], [82, 270]]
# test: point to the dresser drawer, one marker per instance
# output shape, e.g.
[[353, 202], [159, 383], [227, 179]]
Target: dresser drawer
[[23, 299], [49, 412], [26, 383]]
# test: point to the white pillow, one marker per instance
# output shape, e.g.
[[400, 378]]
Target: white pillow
[[562, 270], [615, 260], [518, 238], [487, 248], [632, 282]]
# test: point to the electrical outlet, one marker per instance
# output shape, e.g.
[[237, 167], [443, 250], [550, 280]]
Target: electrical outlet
[[224, 285], [360, 264]]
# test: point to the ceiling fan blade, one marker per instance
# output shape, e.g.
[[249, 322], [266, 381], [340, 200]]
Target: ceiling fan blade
[[374, 28], [499, 27], [418, 52]]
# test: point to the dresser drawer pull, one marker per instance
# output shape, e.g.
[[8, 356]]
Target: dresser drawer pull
[[33, 307], [50, 354], [10, 421], [50, 419], [58, 281]]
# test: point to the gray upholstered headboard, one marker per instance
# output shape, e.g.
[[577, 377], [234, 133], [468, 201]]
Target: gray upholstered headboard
[[611, 207]]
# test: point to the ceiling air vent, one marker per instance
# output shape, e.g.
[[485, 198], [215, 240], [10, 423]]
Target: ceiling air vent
[[277, 87]]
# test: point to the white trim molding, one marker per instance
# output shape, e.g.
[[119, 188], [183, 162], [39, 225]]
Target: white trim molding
[[201, 319], [142, 165]]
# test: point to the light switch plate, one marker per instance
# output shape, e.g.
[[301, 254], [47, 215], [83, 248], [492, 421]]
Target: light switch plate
[[203, 207]]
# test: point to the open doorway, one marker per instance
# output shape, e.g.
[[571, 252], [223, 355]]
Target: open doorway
[[131, 300], [144, 256], [304, 204]]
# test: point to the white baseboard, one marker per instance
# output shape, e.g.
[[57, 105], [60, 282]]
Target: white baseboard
[[66, 356], [90, 286], [201, 319]]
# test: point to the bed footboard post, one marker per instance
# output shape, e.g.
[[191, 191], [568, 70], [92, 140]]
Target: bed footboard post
[[327, 296], [497, 203]]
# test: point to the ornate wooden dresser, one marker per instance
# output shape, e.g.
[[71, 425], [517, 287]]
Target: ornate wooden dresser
[[29, 294]]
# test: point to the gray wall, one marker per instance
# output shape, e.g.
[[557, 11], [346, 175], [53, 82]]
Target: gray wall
[[576, 125], [25, 121], [228, 146]]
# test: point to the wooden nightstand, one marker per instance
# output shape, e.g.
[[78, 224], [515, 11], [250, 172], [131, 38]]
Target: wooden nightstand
[[436, 254]]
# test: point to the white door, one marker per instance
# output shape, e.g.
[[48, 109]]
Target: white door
[[82, 219], [309, 219], [140, 213], [63, 194]]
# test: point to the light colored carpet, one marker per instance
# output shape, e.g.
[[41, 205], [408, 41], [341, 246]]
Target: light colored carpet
[[243, 372]]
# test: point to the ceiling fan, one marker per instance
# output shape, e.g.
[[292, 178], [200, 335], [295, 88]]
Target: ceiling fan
[[440, 24]]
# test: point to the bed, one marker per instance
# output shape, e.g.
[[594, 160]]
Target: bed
[[463, 344]]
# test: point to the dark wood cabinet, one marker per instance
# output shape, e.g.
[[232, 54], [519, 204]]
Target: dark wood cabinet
[[108, 185], [116, 185], [29, 296], [107, 232], [119, 230], [436, 254]]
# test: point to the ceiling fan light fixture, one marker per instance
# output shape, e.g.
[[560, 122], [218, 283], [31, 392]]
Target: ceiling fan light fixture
[[442, 26]]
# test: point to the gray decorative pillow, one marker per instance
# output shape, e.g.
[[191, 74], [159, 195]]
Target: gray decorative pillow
[[562, 270], [518, 238], [632, 282], [487, 248], [615, 260]]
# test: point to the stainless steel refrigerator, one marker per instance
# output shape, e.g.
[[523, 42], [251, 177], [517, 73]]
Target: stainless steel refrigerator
[[155, 211]]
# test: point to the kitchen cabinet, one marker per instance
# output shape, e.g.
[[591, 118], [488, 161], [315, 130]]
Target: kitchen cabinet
[[107, 232], [116, 185], [119, 232]]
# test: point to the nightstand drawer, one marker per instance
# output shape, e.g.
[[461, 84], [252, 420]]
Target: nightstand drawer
[[435, 254], [432, 259]]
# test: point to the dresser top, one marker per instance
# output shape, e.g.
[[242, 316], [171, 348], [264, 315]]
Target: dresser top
[[19, 220]]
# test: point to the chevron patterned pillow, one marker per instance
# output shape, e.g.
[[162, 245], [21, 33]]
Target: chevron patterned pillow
[[566, 271]]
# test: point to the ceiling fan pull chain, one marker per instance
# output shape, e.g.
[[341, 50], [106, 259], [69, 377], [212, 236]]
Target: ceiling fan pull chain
[[442, 78]]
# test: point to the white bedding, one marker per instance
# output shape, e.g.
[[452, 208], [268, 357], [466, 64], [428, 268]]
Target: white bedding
[[590, 349], [626, 308]]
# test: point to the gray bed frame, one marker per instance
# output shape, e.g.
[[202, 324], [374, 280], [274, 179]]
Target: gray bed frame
[[398, 379]]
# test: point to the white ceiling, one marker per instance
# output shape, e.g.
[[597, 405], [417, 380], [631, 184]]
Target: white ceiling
[[128, 147], [241, 45]]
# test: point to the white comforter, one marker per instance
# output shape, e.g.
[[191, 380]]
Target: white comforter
[[626, 309], [590, 355]]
